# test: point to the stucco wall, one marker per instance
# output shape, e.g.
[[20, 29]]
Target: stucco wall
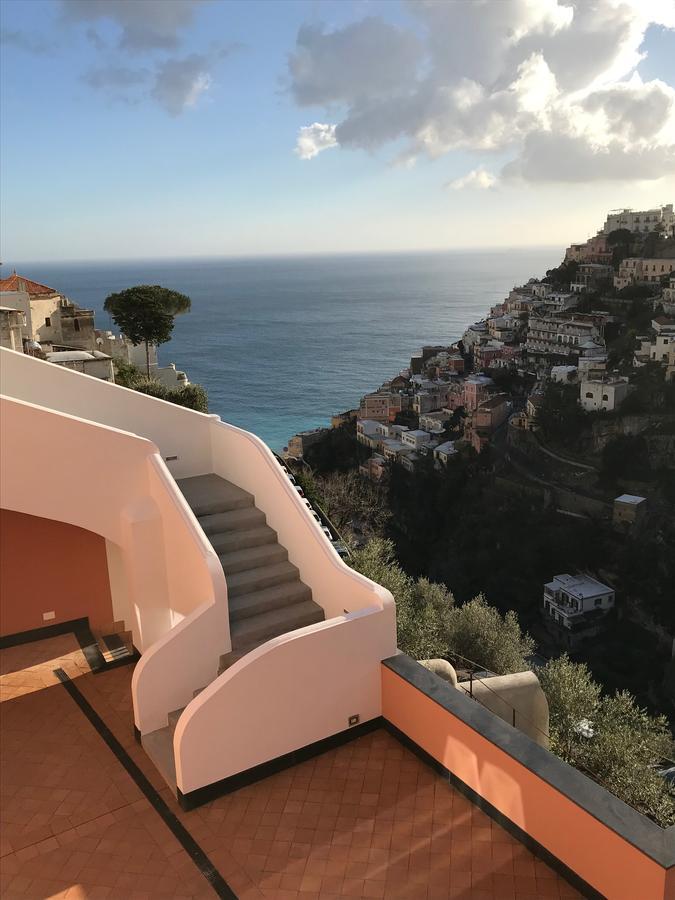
[[50, 566], [573, 835]]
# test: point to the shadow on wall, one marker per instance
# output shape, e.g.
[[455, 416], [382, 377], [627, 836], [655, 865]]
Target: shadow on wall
[[50, 568]]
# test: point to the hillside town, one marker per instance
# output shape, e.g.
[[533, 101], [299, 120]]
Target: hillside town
[[575, 349], [545, 329]]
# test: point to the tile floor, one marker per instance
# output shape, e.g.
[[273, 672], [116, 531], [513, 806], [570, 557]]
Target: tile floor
[[366, 820]]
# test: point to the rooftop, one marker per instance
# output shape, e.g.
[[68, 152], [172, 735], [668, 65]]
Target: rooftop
[[580, 586], [19, 283], [630, 498]]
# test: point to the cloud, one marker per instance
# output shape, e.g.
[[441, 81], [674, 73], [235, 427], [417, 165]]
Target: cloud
[[26, 42], [524, 78], [144, 24], [312, 139], [179, 83], [115, 77], [478, 178], [339, 66]]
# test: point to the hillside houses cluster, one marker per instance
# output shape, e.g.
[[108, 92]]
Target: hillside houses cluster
[[538, 329]]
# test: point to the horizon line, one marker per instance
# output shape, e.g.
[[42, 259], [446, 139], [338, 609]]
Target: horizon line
[[272, 255]]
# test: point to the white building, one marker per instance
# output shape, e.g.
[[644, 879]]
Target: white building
[[577, 604], [564, 374], [415, 439], [366, 433], [444, 452], [600, 394], [97, 364], [642, 220]]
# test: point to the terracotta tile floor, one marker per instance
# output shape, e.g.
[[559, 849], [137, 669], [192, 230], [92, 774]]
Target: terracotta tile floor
[[366, 820]]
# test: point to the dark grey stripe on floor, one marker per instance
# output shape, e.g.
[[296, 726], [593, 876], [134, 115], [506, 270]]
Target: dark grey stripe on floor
[[194, 851]]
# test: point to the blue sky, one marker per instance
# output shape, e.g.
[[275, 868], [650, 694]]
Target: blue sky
[[169, 129]]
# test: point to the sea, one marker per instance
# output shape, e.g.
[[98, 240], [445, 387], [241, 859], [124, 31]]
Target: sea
[[281, 344]]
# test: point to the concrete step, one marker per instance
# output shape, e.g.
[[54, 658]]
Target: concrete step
[[174, 716], [252, 558], [159, 747], [257, 602], [246, 517], [210, 494], [228, 659], [260, 578], [258, 629], [229, 541]]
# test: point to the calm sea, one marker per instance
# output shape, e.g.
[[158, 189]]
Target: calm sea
[[281, 344]]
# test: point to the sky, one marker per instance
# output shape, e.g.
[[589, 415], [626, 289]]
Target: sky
[[177, 128]]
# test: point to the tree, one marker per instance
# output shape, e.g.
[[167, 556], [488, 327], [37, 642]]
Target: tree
[[573, 699], [479, 632], [612, 738], [428, 624], [559, 415], [619, 237], [145, 314], [192, 396], [625, 456], [423, 608]]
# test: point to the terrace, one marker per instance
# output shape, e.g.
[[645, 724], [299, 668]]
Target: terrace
[[436, 799]]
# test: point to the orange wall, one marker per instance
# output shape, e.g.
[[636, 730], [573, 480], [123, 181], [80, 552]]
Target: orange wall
[[596, 853], [47, 565]]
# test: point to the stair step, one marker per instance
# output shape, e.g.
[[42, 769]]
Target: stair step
[[209, 494], [159, 747], [257, 602], [229, 541], [259, 578], [174, 716], [264, 627], [246, 517], [229, 659], [252, 558]]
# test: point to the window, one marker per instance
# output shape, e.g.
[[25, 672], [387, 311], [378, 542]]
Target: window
[[605, 396], [598, 601], [77, 324], [48, 322], [589, 395]]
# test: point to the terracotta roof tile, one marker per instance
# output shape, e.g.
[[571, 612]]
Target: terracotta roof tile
[[19, 283]]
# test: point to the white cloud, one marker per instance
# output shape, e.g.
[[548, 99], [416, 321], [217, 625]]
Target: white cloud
[[478, 178], [531, 78], [312, 139]]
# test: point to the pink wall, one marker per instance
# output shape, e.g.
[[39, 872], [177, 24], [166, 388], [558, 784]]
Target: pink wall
[[591, 849], [47, 565]]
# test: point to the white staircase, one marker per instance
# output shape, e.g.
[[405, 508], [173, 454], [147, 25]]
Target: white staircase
[[265, 595]]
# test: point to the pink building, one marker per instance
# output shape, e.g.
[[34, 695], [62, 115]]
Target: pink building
[[476, 389]]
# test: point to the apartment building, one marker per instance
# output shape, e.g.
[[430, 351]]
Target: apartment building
[[636, 270], [476, 389], [642, 221], [590, 276], [554, 339], [96, 364], [383, 405], [594, 250]]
